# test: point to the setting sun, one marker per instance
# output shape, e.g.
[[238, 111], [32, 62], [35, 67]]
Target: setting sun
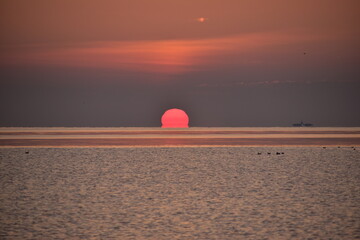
[[175, 118]]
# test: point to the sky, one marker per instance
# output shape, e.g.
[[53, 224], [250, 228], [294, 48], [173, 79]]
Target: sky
[[227, 63]]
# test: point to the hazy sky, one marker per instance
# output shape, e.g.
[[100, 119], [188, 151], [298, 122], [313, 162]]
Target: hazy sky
[[124, 62]]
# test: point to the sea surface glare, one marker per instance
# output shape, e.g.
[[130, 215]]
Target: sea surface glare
[[180, 193]]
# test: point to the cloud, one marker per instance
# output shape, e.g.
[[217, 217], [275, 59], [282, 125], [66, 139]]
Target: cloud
[[166, 56]]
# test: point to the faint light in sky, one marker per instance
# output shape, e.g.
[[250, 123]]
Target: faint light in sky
[[201, 19]]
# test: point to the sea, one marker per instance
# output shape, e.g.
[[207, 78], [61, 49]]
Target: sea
[[193, 183]]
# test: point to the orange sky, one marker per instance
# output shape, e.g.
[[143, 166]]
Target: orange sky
[[167, 37]]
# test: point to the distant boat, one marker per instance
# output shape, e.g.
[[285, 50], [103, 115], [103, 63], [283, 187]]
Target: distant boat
[[302, 124]]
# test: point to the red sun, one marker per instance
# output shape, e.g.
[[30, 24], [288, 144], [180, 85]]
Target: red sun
[[175, 118]]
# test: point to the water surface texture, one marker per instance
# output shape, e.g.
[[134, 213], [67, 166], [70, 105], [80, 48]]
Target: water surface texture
[[180, 193]]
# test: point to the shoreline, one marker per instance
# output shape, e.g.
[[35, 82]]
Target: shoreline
[[194, 137], [187, 146]]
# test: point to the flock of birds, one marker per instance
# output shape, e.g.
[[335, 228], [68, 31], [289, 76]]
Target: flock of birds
[[269, 153]]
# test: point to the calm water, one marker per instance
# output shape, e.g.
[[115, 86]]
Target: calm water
[[180, 193]]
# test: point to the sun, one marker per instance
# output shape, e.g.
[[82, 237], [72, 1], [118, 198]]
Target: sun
[[175, 118]]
